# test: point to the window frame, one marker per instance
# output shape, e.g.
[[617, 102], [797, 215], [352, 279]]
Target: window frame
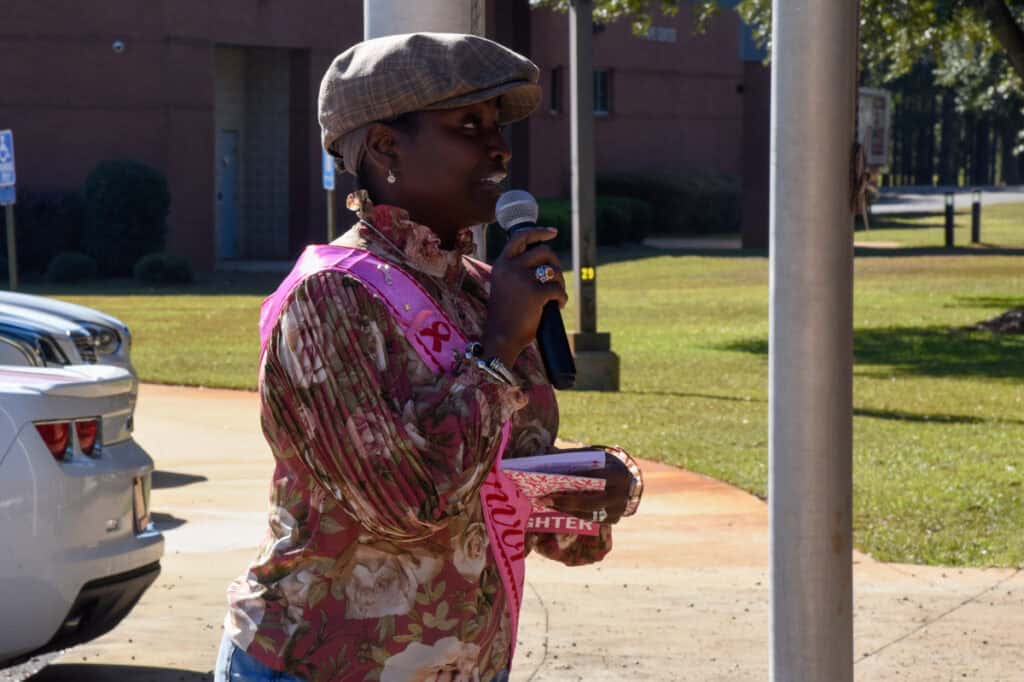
[[606, 90]]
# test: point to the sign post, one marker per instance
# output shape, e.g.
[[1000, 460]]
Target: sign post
[[7, 194], [327, 166]]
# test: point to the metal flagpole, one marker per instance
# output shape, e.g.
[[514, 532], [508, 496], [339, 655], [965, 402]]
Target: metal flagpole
[[814, 66], [597, 366]]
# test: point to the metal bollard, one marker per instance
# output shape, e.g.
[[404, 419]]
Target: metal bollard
[[949, 220], [976, 216]]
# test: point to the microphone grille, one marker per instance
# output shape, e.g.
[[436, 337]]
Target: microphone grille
[[515, 207]]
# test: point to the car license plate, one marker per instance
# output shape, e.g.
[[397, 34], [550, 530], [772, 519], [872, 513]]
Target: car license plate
[[140, 503]]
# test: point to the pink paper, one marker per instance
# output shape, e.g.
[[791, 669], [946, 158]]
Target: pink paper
[[539, 485]]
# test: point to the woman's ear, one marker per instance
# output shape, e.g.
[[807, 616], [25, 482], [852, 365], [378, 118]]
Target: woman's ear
[[382, 148]]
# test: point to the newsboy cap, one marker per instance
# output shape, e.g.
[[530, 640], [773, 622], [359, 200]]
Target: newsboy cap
[[381, 78]]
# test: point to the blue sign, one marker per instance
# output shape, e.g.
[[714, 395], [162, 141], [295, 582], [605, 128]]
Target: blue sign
[[327, 164], [6, 158], [6, 196]]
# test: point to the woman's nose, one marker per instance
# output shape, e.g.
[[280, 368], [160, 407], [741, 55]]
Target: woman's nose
[[499, 149]]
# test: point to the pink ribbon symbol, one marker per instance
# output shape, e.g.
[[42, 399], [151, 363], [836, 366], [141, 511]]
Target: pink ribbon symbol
[[439, 332]]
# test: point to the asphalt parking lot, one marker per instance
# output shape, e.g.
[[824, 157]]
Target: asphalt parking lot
[[684, 596]]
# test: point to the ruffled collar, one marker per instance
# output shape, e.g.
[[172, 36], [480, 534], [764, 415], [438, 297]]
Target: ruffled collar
[[393, 231]]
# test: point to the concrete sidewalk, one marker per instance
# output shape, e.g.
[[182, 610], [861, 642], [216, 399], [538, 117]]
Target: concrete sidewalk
[[684, 595]]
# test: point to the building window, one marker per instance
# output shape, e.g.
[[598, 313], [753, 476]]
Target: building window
[[555, 90], [602, 92], [662, 34]]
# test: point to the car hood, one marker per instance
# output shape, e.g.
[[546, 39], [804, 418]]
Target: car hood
[[57, 308], [40, 322]]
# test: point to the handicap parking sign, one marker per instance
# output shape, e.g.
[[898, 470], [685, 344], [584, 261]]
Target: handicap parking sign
[[7, 177]]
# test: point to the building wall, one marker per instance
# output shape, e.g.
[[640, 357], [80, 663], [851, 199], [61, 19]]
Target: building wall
[[266, 190], [674, 105], [72, 101]]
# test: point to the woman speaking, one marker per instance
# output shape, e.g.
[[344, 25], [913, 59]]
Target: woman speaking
[[396, 374]]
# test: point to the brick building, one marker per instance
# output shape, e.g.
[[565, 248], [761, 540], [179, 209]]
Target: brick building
[[220, 96]]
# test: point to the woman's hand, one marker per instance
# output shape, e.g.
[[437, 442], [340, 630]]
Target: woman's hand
[[612, 499], [517, 298]]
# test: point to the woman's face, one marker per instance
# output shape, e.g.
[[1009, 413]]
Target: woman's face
[[450, 167]]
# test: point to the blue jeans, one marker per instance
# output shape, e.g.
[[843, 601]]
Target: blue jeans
[[234, 665]]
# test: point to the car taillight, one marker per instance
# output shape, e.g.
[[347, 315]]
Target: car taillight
[[56, 436], [87, 432]]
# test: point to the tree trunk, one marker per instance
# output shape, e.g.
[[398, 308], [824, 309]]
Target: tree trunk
[[924, 170], [990, 141], [1011, 167], [906, 143], [947, 141], [965, 150], [979, 165], [1007, 32]]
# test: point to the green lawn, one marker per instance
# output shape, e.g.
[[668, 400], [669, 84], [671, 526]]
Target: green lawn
[[939, 412]]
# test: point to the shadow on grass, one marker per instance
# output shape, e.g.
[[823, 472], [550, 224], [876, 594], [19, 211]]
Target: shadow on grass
[[910, 251], [929, 351], [892, 415], [700, 396], [901, 416], [213, 284], [903, 221], [998, 302]]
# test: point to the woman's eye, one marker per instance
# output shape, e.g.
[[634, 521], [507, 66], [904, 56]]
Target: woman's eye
[[470, 125]]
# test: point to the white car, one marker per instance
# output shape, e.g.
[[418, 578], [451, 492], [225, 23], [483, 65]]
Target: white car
[[72, 334], [77, 549]]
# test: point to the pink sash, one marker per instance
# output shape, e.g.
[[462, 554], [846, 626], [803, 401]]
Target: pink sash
[[440, 344]]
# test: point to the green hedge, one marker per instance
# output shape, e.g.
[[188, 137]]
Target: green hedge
[[619, 220], [47, 222], [692, 202], [70, 267], [163, 268], [126, 204]]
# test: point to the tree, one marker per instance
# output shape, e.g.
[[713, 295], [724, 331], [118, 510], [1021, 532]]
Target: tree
[[895, 36], [974, 50], [638, 11]]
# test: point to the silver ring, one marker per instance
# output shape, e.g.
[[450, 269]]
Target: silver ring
[[599, 516], [544, 273]]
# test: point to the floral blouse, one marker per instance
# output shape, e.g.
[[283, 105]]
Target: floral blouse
[[376, 563]]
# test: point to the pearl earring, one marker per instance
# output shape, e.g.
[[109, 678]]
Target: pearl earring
[[391, 177]]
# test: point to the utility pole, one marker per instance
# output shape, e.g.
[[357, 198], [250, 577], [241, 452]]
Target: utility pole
[[597, 367], [814, 67]]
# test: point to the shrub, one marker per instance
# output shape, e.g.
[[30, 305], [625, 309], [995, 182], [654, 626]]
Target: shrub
[[691, 202], [126, 207], [557, 213], [71, 266], [619, 219], [163, 268], [622, 219], [47, 222]]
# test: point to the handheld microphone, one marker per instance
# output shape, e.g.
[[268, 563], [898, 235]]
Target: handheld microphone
[[518, 210]]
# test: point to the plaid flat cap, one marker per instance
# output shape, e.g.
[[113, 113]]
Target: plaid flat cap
[[379, 79]]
